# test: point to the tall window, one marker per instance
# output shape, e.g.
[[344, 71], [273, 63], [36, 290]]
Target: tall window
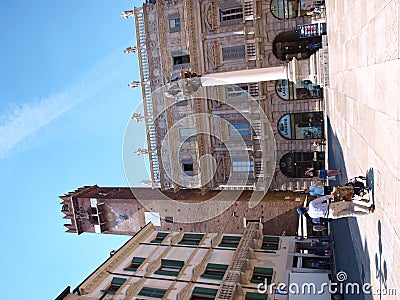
[[170, 267], [180, 61], [301, 126], [261, 275], [135, 264], [152, 292], [230, 241], [214, 271], [284, 9], [191, 239], [233, 13], [295, 164], [187, 166], [116, 283], [174, 23], [159, 238], [243, 166], [255, 296], [200, 293], [305, 89], [234, 52], [241, 128], [270, 243], [185, 133], [240, 90]]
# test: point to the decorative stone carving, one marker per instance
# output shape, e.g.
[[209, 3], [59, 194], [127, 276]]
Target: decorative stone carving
[[127, 13]]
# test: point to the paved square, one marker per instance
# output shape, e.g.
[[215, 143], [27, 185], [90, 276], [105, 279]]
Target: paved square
[[363, 107]]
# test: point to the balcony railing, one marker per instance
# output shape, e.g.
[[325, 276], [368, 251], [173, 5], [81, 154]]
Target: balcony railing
[[147, 97]]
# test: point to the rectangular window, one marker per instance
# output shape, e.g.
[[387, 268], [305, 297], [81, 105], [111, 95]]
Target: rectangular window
[[233, 13], [152, 292], [261, 275], [203, 293], [174, 23], [230, 241], [170, 267], [243, 166], [234, 52], [316, 263], [116, 283], [187, 166], [181, 59], [191, 239], [184, 133], [214, 271], [255, 296], [159, 238], [241, 128], [240, 90], [135, 264], [270, 243]]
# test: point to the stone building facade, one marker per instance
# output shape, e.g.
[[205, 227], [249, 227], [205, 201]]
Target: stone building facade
[[220, 110], [181, 265]]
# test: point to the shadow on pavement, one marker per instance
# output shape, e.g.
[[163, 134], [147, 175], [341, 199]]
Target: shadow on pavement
[[351, 252]]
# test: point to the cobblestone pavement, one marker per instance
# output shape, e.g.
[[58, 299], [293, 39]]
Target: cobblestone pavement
[[363, 109]]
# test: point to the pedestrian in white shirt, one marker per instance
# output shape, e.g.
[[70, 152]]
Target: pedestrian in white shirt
[[321, 208]]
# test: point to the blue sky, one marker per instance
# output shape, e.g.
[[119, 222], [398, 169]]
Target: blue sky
[[64, 106]]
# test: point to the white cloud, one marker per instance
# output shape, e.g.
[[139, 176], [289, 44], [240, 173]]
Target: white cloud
[[23, 120]]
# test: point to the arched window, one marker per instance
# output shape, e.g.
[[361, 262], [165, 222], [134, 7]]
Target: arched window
[[295, 164], [288, 9], [301, 126], [287, 45], [284, 9], [305, 89]]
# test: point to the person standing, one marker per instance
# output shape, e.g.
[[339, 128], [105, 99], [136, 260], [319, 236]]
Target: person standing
[[321, 208], [322, 174]]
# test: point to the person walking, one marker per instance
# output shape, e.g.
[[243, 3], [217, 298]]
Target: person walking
[[316, 190], [321, 208], [322, 174]]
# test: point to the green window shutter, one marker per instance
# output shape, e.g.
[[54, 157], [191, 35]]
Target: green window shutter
[[231, 238], [152, 292], [255, 296], [272, 239], [228, 245], [166, 273], [118, 281], [204, 291], [162, 234], [156, 241], [264, 271], [173, 263], [194, 236], [138, 260], [212, 276], [211, 266], [191, 243]]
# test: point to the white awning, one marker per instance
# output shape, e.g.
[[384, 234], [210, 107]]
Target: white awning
[[153, 217]]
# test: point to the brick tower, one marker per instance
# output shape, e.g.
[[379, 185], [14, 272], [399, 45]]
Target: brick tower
[[117, 210]]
